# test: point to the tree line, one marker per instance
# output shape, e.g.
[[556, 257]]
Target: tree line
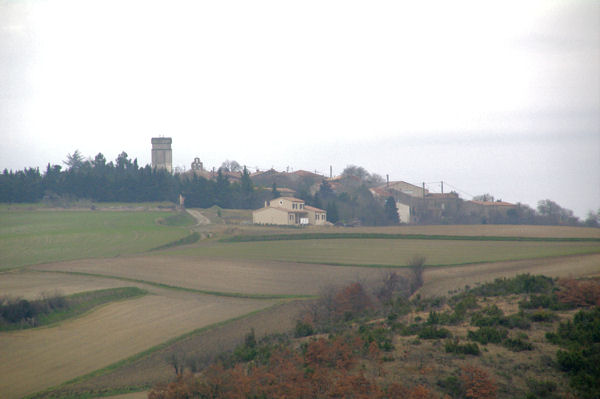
[[123, 181]]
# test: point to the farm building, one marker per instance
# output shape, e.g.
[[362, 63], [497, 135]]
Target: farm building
[[289, 211]]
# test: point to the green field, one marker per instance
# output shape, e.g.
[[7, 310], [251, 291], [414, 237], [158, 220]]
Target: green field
[[386, 252], [32, 237]]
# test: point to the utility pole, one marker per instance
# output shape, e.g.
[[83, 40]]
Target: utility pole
[[423, 189], [330, 171], [442, 183]]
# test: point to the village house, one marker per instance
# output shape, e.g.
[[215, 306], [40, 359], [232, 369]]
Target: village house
[[289, 211]]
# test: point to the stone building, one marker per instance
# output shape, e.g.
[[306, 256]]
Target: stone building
[[289, 211], [162, 157]]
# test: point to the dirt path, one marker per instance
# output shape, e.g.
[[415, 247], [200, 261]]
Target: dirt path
[[200, 218], [438, 281]]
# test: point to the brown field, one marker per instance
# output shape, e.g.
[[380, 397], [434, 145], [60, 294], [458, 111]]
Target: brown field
[[204, 346], [456, 230], [439, 281], [33, 360], [249, 277]]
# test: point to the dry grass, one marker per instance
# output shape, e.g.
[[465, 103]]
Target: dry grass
[[258, 277], [439, 281], [36, 359]]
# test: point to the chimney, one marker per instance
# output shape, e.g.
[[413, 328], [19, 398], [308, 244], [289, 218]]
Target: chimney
[[387, 178]]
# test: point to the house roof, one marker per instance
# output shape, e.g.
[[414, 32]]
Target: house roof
[[312, 208], [280, 209], [440, 195], [293, 199], [492, 203], [379, 191], [305, 173]]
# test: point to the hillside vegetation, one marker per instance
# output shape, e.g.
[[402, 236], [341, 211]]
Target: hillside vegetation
[[525, 337]]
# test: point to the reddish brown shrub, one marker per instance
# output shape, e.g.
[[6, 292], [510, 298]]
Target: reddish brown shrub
[[579, 292], [477, 383], [351, 300]]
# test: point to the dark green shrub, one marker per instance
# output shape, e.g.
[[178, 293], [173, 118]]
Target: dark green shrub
[[542, 316], [516, 320], [303, 329], [517, 345], [381, 336], [409, 330], [453, 346], [485, 335], [247, 351], [433, 332], [541, 389], [544, 301], [521, 284], [452, 386], [489, 316]]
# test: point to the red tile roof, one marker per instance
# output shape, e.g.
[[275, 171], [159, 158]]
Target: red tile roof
[[313, 209], [492, 203]]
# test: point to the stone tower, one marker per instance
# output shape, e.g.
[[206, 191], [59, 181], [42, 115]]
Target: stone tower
[[162, 157]]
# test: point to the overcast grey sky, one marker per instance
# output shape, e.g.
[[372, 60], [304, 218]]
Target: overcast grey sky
[[488, 96]]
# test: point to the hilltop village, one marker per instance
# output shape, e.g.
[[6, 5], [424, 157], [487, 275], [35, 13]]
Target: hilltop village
[[303, 197], [291, 197]]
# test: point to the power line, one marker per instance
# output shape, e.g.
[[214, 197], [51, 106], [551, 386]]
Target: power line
[[459, 190]]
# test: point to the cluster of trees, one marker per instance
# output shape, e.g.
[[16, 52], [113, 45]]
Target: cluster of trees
[[353, 203], [123, 181]]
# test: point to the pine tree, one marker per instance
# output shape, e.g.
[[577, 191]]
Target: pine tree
[[391, 212], [332, 212]]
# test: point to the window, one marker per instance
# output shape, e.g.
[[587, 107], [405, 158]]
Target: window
[[301, 206], [291, 217]]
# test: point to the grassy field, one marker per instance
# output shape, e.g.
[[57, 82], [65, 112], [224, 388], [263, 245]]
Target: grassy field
[[384, 252], [32, 237]]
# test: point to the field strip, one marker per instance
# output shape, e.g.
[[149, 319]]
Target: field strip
[[232, 277], [406, 266], [33, 360], [30, 284], [173, 287], [388, 236], [136, 357], [439, 281]]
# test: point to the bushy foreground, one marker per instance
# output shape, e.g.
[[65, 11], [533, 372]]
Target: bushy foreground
[[360, 343]]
